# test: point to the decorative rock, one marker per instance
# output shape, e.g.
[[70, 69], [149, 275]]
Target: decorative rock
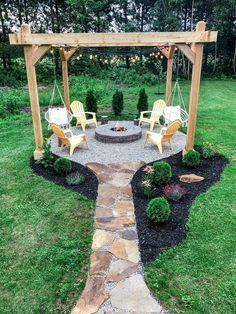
[[132, 294], [102, 238], [120, 270], [92, 297], [113, 224], [128, 234], [125, 249], [100, 262], [190, 178]]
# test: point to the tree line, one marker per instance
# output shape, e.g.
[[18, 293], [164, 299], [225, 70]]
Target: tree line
[[119, 15]]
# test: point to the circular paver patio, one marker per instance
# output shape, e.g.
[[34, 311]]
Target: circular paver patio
[[107, 153]]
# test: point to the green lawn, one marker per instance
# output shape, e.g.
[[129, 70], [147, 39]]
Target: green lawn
[[46, 230]]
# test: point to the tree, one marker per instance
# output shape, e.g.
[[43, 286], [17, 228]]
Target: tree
[[142, 101], [118, 103], [91, 101]]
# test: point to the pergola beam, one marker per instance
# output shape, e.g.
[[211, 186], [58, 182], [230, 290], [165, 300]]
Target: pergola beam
[[171, 52], [113, 39], [39, 52]]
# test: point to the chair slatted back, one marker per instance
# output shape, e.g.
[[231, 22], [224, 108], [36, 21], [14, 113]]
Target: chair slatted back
[[158, 108], [171, 129], [78, 108], [59, 133]]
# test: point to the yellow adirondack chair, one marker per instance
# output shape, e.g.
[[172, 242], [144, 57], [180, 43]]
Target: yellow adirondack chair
[[73, 141], [77, 109], [156, 113], [165, 135]]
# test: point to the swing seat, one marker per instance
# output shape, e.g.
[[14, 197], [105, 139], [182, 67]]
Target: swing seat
[[156, 113], [59, 116], [73, 141], [77, 109], [163, 136], [172, 113]]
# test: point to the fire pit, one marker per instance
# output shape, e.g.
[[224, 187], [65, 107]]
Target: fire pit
[[119, 132]]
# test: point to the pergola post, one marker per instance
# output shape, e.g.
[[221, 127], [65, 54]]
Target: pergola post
[[197, 48], [169, 74], [33, 93], [65, 56]]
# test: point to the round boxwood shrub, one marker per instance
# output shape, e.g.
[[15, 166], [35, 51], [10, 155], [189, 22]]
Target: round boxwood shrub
[[191, 159], [158, 209], [161, 172], [63, 166]]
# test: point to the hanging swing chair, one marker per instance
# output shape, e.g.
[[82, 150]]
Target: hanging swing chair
[[176, 109], [57, 115]]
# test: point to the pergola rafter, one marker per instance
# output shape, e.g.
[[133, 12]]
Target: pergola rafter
[[36, 45]]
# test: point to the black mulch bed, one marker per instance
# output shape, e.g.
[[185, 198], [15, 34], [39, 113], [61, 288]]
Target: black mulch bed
[[154, 239], [88, 188]]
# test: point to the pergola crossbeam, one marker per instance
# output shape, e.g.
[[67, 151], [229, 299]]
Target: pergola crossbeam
[[113, 39]]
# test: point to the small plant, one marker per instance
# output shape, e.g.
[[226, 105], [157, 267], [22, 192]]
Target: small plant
[[63, 166], [91, 101], [174, 192], [208, 150], [47, 158], [147, 186], [75, 178], [142, 101], [161, 173], [148, 169], [118, 103], [158, 209], [191, 159]]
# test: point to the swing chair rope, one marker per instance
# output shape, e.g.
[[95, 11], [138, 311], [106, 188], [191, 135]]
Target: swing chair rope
[[55, 86]]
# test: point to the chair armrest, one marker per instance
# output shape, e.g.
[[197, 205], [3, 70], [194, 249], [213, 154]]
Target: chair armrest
[[92, 113], [163, 130], [143, 112], [150, 133], [69, 131]]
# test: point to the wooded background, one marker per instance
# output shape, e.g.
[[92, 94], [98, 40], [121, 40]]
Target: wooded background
[[118, 15]]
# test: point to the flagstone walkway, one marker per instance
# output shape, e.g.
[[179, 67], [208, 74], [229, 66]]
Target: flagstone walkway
[[115, 282]]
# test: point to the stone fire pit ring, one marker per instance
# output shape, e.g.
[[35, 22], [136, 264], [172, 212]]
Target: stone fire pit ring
[[105, 134]]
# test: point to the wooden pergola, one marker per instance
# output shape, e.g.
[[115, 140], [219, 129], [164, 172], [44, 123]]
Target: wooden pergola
[[37, 45]]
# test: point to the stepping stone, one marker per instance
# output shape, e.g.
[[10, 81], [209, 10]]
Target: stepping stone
[[107, 191], [122, 208], [113, 224], [105, 201], [127, 191], [128, 234], [100, 262], [120, 270], [92, 297], [103, 212], [125, 249], [120, 179], [132, 294], [102, 238]]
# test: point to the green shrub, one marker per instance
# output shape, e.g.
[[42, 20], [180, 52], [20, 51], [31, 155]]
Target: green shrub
[[158, 209], [47, 158], [75, 178], [208, 150], [91, 101], [161, 172], [142, 101], [63, 166], [191, 159], [118, 103]]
